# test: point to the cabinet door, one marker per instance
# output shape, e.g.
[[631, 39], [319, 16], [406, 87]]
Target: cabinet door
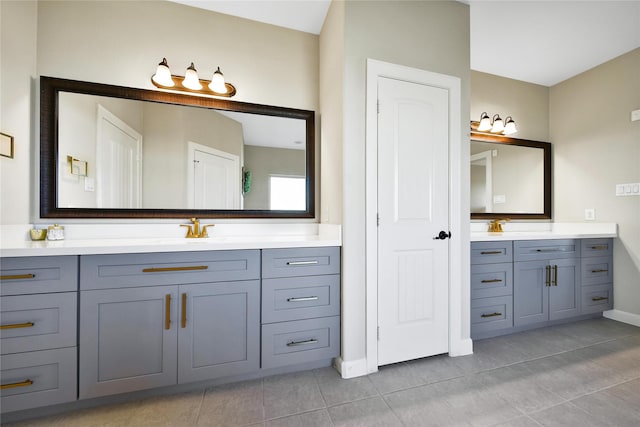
[[564, 293], [530, 292], [219, 330], [128, 340]]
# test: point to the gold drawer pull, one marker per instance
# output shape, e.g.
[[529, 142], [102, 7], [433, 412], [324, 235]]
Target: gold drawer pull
[[599, 298], [164, 269], [600, 247], [306, 342], [599, 271], [491, 281], [300, 299], [17, 326], [183, 319], [18, 277], [490, 252], [25, 383], [302, 262], [167, 312], [491, 314]]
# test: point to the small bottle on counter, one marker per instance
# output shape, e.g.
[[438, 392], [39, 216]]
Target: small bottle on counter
[[55, 232]]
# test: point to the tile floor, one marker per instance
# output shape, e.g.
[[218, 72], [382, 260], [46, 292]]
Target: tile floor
[[580, 374]]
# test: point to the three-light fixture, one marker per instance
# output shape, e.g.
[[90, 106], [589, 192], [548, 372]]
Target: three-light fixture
[[496, 124], [191, 82]]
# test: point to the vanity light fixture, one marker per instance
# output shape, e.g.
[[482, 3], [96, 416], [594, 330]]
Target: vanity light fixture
[[191, 83], [495, 125]]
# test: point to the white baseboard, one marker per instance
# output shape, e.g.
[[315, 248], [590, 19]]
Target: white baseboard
[[461, 347], [623, 316], [351, 369]]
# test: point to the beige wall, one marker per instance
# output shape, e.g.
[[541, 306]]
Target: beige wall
[[596, 146], [433, 36], [18, 20], [527, 103], [121, 43]]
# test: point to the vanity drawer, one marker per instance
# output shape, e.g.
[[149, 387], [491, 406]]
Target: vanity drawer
[[534, 250], [597, 247], [300, 341], [37, 275], [597, 298], [490, 314], [295, 298], [38, 322], [491, 252], [153, 269], [491, 280], [597, 270], [300, 262], [38, 378]]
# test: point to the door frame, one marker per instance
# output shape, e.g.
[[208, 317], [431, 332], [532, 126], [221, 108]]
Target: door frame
[[459, 288]]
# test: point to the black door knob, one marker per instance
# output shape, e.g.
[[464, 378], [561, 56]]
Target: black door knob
[[443, 235]]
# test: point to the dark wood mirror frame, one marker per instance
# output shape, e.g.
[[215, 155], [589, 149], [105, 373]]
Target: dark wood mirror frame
[[546, 147], [50, 88]]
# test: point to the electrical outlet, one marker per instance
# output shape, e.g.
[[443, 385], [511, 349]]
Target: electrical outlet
[[590, 214], [635, 115]]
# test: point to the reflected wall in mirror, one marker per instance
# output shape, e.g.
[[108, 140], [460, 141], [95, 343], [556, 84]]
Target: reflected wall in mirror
[[510, 178], [160, 154]]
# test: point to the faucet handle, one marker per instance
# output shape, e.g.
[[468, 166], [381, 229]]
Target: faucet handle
[[495, 226], [203, 233], [189, 230]]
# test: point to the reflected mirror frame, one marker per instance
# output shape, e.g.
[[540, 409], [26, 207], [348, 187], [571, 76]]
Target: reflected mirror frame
[[50, 87], [546, 147]]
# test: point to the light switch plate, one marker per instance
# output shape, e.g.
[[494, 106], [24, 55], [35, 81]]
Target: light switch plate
[[590, 214], [89, 184], [635, 115], [630, 189]]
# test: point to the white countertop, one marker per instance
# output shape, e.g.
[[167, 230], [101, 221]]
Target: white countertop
[[543, 231], [14, 242]]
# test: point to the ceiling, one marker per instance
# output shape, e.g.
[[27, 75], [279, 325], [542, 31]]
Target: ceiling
[[537, 41]]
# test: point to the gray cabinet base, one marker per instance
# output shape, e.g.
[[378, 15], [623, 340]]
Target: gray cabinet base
[[515, 330]]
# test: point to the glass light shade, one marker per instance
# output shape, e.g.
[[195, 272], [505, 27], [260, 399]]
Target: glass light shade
[[163, 74], [498, 124], [191, 80], [510, 126], [217, 82], [485, 123]]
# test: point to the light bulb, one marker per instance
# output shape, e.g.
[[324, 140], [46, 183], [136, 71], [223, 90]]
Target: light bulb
[[163, 74], [498, 124], [485, 123], [510, 126], [217, 82], [191, 80]]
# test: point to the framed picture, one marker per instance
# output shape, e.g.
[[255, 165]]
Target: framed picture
[[6, 145]]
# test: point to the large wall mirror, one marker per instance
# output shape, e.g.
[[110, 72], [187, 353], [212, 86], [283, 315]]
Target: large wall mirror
[[510, 178], [116, 152]]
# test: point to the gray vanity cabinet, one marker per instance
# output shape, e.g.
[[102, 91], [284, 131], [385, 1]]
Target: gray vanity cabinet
[[546, 281], [167, 318], [38, 333]]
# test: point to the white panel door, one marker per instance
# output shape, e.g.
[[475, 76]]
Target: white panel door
[[216, 178], [118, 163], [413, 207]]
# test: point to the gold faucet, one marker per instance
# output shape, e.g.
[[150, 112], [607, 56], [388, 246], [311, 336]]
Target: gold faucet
[[495, 226], [194, 231]]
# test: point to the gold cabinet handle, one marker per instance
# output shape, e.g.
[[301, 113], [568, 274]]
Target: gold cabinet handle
[[17, 326], [491, 281], [17, 276], [490, 252], [25, 383], [183, 320], [491, 314], [599, 298], [302, 262], [548, 282], [599, 271], [167, 312], [165, 269], [554, 282], [600, 247], [305, 342]]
